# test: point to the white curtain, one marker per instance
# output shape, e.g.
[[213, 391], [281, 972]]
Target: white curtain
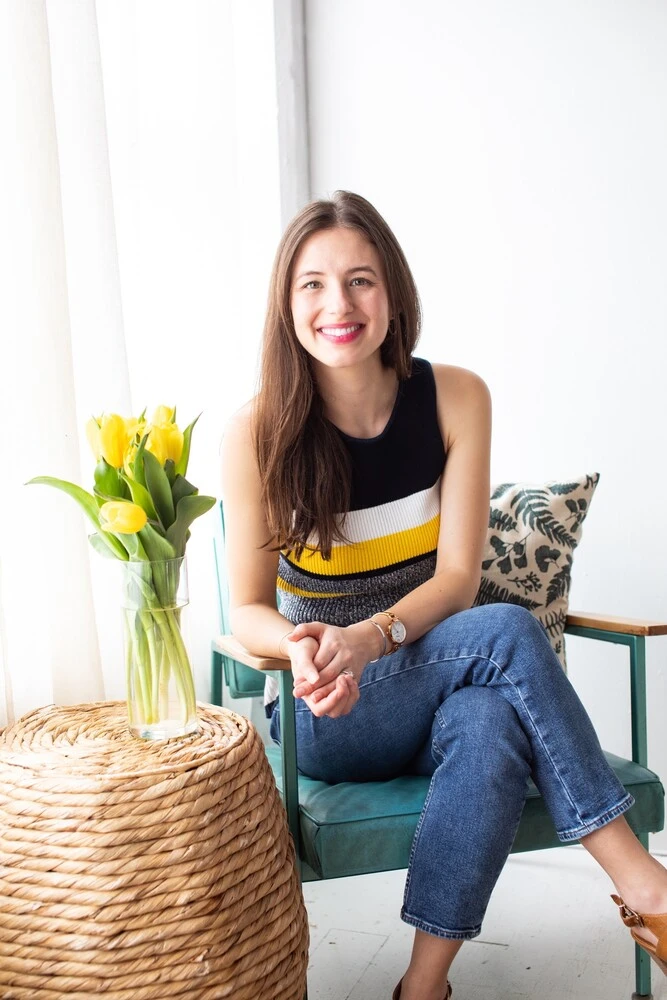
[[140, 207], [50, 648]]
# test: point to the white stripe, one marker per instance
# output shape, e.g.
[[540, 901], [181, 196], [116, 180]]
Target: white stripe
[[397, 515]]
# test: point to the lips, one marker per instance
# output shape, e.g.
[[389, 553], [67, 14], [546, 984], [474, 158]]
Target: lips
[[339, 333]]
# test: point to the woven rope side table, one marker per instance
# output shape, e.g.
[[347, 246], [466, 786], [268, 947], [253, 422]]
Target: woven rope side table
[[133, 870]]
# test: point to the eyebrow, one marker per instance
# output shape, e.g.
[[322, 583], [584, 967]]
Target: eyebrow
[[351, 270]]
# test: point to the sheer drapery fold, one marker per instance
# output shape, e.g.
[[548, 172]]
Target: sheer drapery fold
[[56, 305]]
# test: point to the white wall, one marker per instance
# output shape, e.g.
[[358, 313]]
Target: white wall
[[519, 151]]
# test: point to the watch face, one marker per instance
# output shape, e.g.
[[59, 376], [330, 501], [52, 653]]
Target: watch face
[[397, 631]]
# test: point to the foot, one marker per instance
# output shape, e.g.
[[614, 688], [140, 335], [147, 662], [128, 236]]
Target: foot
[[397, 994], [648, 929]]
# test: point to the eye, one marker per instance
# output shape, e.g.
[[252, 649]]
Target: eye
[[312, 284], [360, 281]]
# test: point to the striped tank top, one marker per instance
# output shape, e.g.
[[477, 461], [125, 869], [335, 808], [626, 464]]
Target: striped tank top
[[393, 522], [391, 527]]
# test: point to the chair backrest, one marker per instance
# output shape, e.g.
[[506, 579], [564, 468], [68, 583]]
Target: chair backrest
[[242, 681]]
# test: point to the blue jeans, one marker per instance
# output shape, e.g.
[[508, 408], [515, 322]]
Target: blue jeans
[[480, 703]]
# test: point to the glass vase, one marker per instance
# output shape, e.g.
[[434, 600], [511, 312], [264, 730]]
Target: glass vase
[[160, 684]]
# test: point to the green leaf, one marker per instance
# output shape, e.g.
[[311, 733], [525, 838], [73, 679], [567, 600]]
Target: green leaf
[[170, 470], [88, 504], [142, 497], [182, 488], [108, 482], [182, 464], [490, 593], [159, 489], [132, 544], [560, 489], [500, 489], [501, 521], [189, 508], [155, 545], [100, 544], [138, 463], [105, 497]]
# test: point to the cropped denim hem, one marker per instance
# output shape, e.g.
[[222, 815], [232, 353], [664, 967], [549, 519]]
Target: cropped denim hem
[[423, 925], [596, 824]]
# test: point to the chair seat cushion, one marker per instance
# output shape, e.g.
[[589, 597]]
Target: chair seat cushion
[[357, 827]]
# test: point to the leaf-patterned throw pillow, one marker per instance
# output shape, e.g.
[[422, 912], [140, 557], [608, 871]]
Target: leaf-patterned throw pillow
[[533, 532]]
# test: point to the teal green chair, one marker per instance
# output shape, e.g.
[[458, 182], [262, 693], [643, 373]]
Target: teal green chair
[[357, 828]]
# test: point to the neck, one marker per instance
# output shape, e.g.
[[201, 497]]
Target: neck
[[359, 401]]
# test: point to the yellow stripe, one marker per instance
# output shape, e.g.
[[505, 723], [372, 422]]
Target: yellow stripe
[[377, 553], [289, 588]]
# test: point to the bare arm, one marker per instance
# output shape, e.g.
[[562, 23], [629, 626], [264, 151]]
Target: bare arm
[[464, 412], [252, 564]]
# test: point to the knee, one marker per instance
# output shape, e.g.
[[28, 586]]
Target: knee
[[474, 712], [512, 622], [483, 725]]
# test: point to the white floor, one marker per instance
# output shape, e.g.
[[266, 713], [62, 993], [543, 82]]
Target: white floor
[[551, 933]]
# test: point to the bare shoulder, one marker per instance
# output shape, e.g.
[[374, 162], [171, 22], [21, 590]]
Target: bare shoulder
[[237, 450], [463, 398], [239, 424], [459, 381]]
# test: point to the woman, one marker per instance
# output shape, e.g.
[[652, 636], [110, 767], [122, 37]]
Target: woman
[[358, 480]]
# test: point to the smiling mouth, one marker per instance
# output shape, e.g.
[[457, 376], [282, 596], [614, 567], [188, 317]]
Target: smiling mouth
[[341, 334]]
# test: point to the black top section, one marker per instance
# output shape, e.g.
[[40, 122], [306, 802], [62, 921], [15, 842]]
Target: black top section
[[409, 455]]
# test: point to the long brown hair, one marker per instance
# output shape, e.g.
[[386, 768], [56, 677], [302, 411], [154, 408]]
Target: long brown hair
[[303, 464]]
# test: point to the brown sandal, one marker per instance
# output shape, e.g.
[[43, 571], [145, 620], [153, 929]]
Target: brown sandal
[[397, 992], [655, 922]]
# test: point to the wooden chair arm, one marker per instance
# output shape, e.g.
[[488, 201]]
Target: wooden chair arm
[[609, 623], [231, 647]]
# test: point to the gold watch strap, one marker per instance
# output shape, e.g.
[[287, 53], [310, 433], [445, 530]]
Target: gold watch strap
[[393, 646]]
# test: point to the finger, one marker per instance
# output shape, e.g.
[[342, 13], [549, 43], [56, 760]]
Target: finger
[[303, 687], [307, 628], [327, 651], [321, 692], [346, 703], [328, 677], [335, 703], [327, 704], [328, 673], [306, 672]]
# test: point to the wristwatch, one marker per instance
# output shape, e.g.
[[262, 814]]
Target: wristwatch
[[395, 631]]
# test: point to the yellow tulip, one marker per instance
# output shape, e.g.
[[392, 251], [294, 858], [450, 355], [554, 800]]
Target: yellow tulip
[[114, 439], [164, 415], [123, 517], [93, 435], [165, 441], [135, 428]]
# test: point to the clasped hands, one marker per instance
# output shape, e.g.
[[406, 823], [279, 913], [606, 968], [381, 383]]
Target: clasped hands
[[327, 664]]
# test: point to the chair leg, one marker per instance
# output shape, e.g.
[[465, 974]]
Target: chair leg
[[642, 959], [216, 677], [642, 975]]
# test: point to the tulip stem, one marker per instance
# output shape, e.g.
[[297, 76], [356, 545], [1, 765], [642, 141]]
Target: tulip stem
[[156, 657]]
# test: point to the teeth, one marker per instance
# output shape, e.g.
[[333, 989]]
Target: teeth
[[340, 331]]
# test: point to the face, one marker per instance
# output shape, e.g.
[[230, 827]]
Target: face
[[339, 298]]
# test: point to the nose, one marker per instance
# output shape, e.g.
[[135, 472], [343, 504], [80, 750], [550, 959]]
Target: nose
[[338, 300]]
